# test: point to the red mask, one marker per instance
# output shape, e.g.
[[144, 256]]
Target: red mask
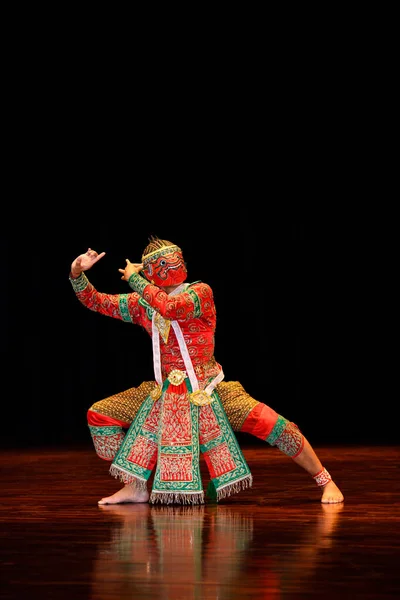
[[165, 267]]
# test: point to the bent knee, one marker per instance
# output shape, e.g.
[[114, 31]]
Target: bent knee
[[260, 421], [287, 437]]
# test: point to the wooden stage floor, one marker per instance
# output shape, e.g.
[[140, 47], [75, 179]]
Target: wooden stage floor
[[273, 541]]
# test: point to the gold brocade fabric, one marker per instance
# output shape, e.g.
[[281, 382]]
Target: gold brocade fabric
[[124, 406], [236, 401]]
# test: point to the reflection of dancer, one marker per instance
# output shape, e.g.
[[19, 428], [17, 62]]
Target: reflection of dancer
[[185, 552], [300, 565], [195, 407], [209, 552]]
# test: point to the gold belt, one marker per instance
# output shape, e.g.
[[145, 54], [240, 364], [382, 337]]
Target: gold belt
[[176, 377]]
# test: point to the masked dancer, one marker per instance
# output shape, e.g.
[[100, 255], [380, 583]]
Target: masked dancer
[[161, 426]]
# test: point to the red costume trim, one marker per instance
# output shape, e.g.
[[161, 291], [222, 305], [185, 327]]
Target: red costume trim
[[98, 420], [322, 478], [260, 421]]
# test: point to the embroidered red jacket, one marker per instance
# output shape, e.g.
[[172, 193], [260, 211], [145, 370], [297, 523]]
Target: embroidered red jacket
[[193, 308]]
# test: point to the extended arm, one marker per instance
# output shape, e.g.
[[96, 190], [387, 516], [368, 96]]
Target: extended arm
[[119, 306]]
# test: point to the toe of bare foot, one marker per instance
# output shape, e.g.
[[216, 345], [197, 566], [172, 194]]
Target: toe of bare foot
[[331, 494], [332, 497], [127, 494], [332, 500]]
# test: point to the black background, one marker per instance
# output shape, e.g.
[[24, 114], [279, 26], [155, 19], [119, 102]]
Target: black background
[[272, 175], [295, 305], [268, 159]]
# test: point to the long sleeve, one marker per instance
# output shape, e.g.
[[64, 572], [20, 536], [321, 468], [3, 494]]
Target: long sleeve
[[118, 306]]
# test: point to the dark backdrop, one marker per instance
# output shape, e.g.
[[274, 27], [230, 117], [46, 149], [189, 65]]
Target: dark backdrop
[[291, 305], [275, 179]]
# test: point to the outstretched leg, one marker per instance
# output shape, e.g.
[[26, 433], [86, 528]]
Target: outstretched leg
[[248, 415], [308, 459]]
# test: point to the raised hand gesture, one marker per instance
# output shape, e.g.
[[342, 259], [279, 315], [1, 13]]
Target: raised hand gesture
[[129, 269], [84, 262]]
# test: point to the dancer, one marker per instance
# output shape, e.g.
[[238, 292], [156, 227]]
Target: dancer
[[188, 408]]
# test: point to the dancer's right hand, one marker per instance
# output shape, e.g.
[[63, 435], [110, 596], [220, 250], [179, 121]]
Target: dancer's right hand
[[84, 262]]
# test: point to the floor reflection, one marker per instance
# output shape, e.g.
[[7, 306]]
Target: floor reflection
[[206, 552], [298, 571]]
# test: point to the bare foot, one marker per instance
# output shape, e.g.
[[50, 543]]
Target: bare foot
[[331, 494], [129, 493]]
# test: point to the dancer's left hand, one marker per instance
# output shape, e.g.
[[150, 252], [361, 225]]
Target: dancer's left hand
[[130, 269]]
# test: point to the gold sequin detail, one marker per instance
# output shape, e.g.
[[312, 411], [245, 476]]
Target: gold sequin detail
[[200, 398], [156, 393], [163, 326], [125, 405], [236, 401], [176, 376]]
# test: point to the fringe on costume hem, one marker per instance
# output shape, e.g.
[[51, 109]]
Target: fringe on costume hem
[[176, 498], [234, 488], [128, 478]]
